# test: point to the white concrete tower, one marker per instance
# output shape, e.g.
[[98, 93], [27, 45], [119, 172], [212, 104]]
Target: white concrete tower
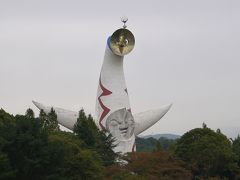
[[113, 111]]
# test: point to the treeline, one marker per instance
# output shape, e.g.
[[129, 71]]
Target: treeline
[[209, 154], [150, 144], [35, 148]]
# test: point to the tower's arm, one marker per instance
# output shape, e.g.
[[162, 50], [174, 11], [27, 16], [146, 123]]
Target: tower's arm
[[65, 117], [146, 119]]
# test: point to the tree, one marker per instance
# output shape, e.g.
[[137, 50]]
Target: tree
[[42, 117], [52, 121], [6, 171], [158, 147], [78, 162], [7, 127], [218, 131], [7, 131], [236, 148], [29, 151], [204, 125], [86, 129], [49, 121], [26, 149], [150, 165], [149, 144], [146, 145], [23, 147], [209, 151], [104, 147], [29, 113]]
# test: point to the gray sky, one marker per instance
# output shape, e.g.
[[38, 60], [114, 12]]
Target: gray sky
[[186, 52]]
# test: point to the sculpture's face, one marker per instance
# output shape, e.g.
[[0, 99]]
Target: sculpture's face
[[120, 124]]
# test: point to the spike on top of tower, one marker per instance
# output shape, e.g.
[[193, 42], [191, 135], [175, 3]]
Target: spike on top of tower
[[124, 19]]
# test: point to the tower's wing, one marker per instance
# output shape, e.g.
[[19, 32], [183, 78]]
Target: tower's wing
[[65, 117], [146, 119]]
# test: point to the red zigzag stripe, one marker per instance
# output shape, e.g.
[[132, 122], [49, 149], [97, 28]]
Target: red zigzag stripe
[[105, 92]]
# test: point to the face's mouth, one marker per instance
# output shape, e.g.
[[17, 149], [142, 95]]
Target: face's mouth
[[123, 130]]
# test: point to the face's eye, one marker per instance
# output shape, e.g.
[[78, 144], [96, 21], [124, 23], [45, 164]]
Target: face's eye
[[130, 122], [114, 123]]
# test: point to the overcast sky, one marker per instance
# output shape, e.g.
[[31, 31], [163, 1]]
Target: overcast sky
[[186, 53]]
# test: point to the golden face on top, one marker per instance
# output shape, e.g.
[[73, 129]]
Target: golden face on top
[[122, 42]]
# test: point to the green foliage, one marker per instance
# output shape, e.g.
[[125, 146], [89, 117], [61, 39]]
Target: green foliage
[[158, 147], [77, 161], [204, 125], [52, 123], [218, 131], [104, 147], [157, 165], [7, 131], [208, 151], [49, 121], [29, 113], [236, 148], [34, 148], [145, 145], [149, 144], [167, 144], [42, 117], [86, 129], [6, 171], [30, 150], [27, 149], [7, 127]]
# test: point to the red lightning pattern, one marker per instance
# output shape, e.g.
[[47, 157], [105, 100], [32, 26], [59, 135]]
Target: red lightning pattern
[[105, 92]]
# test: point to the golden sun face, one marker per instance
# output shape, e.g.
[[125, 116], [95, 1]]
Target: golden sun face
[[122, 42]]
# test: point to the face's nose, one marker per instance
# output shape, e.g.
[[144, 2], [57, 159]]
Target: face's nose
[[123, 126]]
